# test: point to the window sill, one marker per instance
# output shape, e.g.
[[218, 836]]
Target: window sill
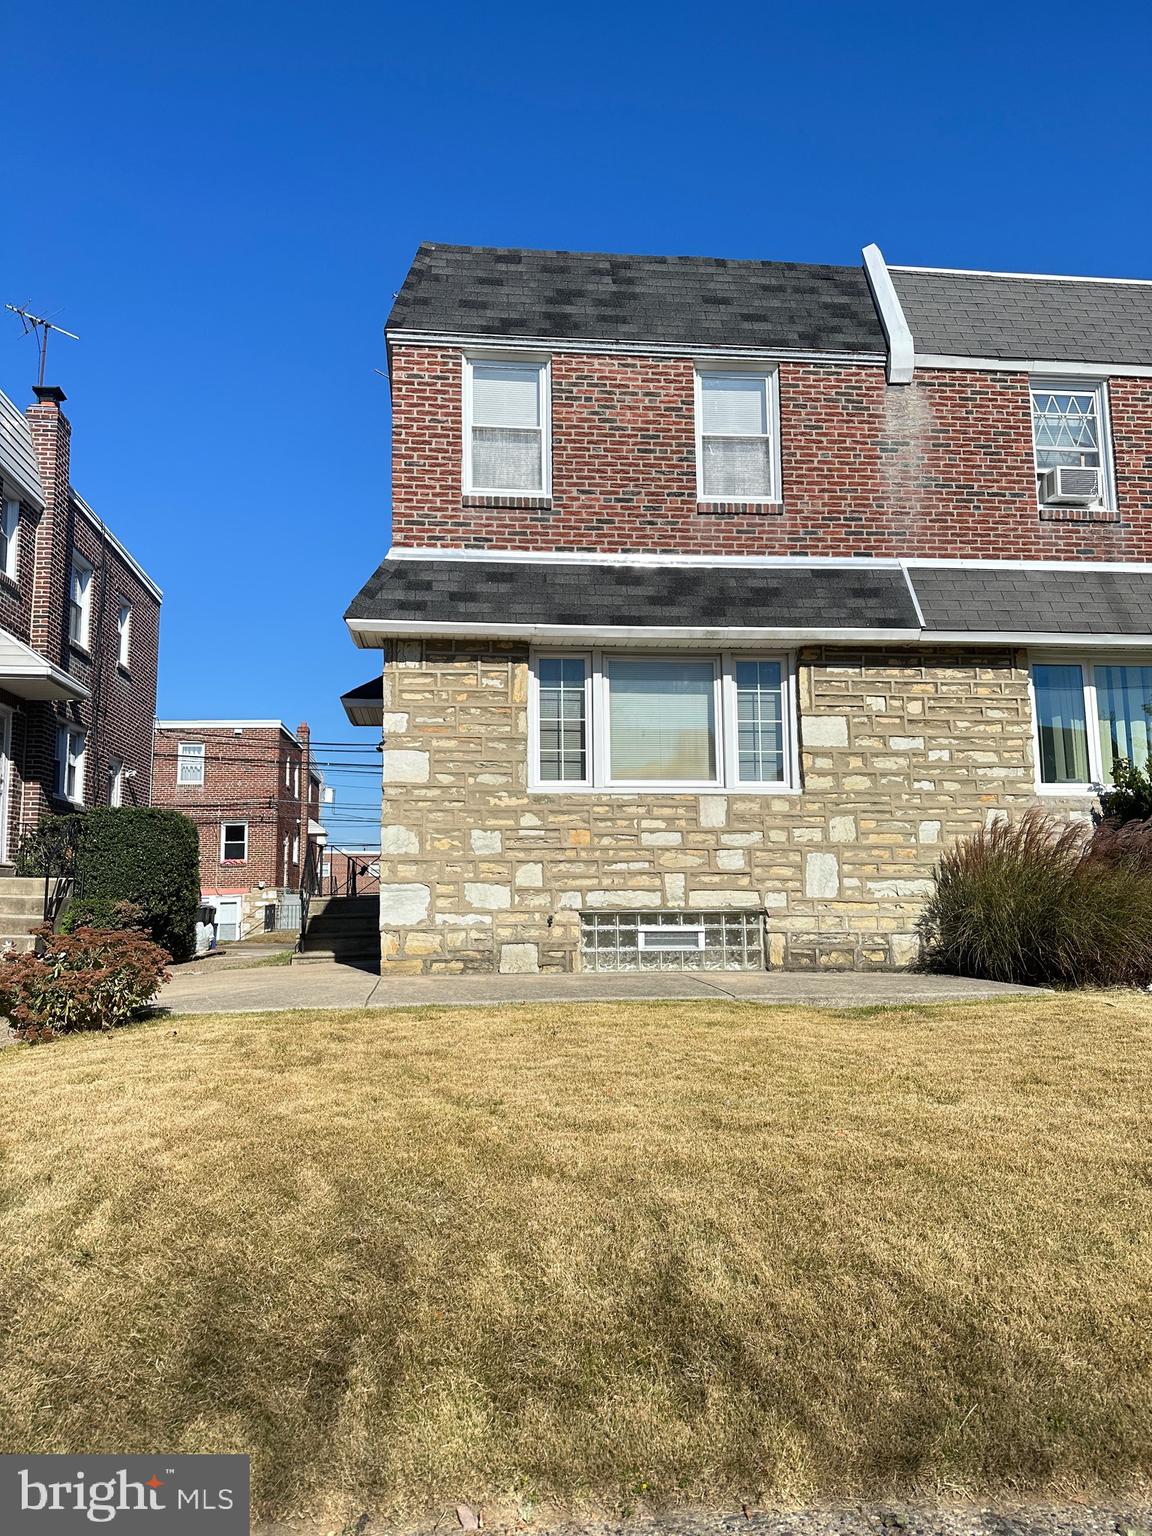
[[739, 509], [689, 791], [1078, 515], [123, 670], [503, 499], [9, 583], [79, 650]]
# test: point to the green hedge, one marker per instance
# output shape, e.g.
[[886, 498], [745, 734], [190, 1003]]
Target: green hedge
[[148, 857]]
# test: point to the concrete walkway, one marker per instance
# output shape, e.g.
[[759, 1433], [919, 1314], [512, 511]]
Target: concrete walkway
[[272, 989]]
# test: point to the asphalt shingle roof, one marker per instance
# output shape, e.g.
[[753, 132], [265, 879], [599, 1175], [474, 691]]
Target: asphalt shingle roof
[[972, 314], [1038, 602], [678, 300], [628, 596]]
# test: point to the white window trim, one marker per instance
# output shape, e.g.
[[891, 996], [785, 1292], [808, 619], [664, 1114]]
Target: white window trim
[[1083, 386], [183, 757], [123, 633], [115, 781], [772, 377], [544, 367], [67, 757], [80, 566], [224, 825], [11, 514], [1087, 662], [596, 714]]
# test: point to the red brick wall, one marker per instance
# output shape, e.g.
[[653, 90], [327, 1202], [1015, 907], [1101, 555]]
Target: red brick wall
[[244, 780], [942, 467], [118, 715]]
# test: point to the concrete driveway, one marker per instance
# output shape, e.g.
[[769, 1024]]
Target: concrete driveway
[[273, 989]]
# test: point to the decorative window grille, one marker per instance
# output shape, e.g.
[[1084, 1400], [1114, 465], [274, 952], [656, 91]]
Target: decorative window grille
[[672, 941], [1070, 430]]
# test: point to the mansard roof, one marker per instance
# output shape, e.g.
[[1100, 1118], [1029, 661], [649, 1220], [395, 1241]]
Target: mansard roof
[[1013, 316], [694, 301]]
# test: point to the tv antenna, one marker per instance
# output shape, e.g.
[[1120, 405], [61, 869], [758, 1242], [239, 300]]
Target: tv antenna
[[41, 326]]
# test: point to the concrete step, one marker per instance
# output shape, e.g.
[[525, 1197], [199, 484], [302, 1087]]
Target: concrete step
[[343, 925], [332, 957], [20, 907], [21, 885], [16, 943], [369, 904]]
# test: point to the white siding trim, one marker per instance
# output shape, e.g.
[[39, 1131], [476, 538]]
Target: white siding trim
[[901, 348], [690, 350]]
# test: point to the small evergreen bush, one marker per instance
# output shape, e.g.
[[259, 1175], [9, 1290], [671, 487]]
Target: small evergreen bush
[[90, 979], [1129, 797], [1043, 901], [101, 912], [150, 858]]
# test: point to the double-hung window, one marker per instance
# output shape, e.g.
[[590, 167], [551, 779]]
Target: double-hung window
[[80, 601], [625, 720], [124, 634], [1070, 431], [1088, 715], [10, 538], [70, 763], [506, 428], [190, 762], [233, 842], [737, 436]]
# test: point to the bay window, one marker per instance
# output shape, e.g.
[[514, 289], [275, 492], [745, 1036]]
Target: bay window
[[1088, 715], [626, 720], [736, 436], [506, 427]]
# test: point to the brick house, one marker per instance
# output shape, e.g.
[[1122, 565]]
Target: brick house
[[725, 594], [255, 794], [79, 636]]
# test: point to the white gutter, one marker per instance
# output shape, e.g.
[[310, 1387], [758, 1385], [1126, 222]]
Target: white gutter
[[901, 349]]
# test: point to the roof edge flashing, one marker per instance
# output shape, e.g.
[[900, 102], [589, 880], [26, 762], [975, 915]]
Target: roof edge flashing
[[901, 347]]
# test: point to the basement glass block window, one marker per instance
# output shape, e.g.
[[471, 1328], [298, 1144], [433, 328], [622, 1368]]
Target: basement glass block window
[[672, 941], [563, 704]]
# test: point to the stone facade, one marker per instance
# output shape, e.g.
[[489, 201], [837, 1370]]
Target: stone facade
[[902, 751]]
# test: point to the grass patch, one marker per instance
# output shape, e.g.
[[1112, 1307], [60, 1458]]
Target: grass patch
[[573, 1254]]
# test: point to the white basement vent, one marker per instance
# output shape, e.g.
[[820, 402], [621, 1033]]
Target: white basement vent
[[672, 941]]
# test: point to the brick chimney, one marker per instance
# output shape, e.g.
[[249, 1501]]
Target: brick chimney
[[51, 438]]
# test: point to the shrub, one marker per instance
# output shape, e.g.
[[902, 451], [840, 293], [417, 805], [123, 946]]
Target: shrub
[[90, 979], [148, 857], [50, 848], [101, 912], [1129, 797], [1042, 901]]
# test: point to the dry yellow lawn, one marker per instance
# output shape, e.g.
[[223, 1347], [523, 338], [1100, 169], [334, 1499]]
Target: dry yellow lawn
[[590, 1254]]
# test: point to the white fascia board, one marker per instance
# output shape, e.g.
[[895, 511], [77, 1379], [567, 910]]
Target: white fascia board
[[1027, 277], [697, 351], [130, 560], [227, 725], [609, 557], [901, 348], [758, 562], [374, 633], [1036, 365]]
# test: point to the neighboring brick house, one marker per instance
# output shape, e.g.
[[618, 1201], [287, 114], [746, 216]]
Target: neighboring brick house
[[255, 794], [79, 637], [351, 871], [725, 594]]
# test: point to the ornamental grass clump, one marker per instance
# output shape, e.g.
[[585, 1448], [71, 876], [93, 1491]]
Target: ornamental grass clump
[[93, 978], [1044, 902]]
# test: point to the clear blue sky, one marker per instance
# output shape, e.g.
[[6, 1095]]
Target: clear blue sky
[[222, 199]]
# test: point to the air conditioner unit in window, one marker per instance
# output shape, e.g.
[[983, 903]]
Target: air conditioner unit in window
[[1071, 486]]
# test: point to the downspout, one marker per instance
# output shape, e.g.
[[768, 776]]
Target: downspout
[[901, 347]]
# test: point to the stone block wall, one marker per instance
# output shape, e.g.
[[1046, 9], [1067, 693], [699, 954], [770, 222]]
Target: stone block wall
[[902, 751]]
